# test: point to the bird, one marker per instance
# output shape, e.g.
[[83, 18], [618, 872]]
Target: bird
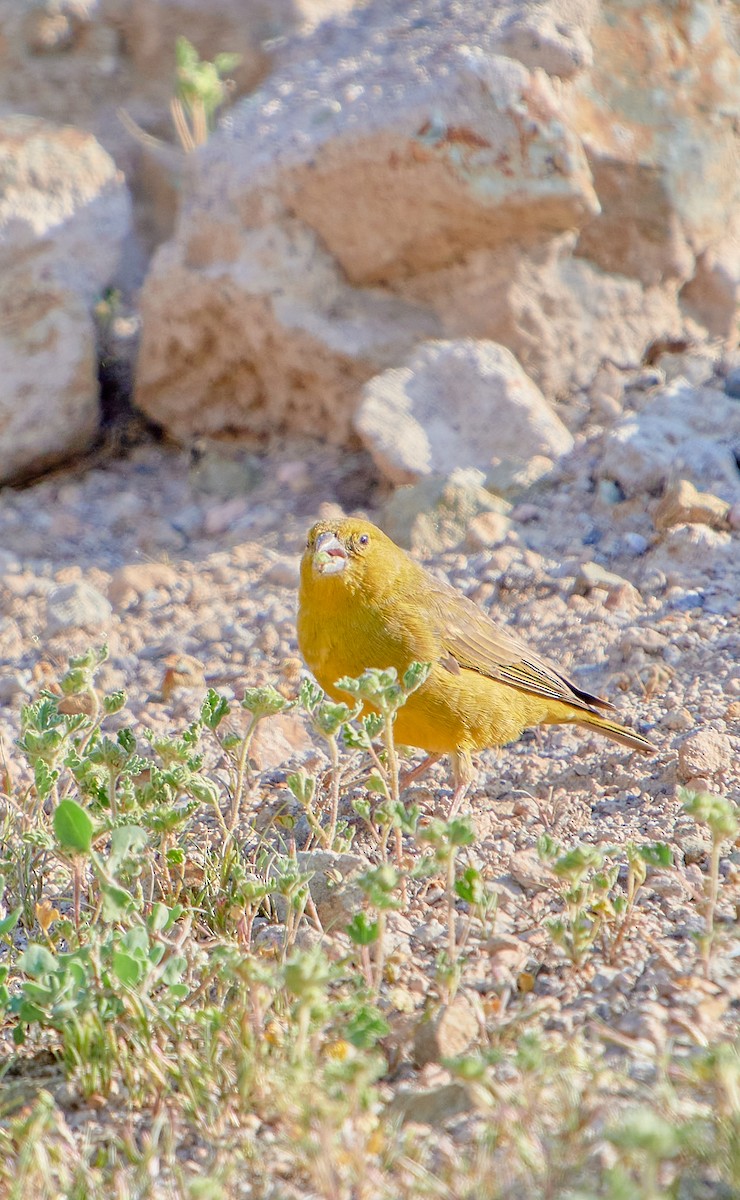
[[365, 603]]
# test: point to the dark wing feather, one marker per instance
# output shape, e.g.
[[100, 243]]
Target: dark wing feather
[[472, 640]]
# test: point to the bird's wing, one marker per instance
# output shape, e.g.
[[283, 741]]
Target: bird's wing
[[472, 641]]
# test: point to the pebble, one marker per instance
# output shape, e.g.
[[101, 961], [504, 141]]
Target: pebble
[[446, 1034], [682, 504], [592, 575], [706, 753], [77, 606]]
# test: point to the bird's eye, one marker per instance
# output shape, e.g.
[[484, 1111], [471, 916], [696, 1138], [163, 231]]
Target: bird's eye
[[364, 539]]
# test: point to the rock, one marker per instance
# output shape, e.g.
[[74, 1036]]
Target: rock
[[275, 286], [706, 754], [536, 300], [64, 217], [49, 399], [430, 1106], [284, 572], [591, 575], [690, 555], [537, 38], [281, 739], [15, 684], [681, 431], [77, 606], [732, 383], [487, 530], [457, 404], [659, 154], [681, 504], [128, 584], [527, 869], [447, 1033], [64, 207], [436, 513], [303, 221], [713, 295], [333, 890], [222, 468]]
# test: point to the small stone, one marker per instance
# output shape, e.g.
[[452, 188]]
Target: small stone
[[449, 1032], [592, 576], [12, 685], [333, 890], [219, 518], [635, 543], [431, 1106], [487, 530], [682, 504], [284, 572], [609, 491], [282, 738], [77, 606], [133, 581], [680, 720], [624, 599], [706, 753], [732, 713], [530, 872]]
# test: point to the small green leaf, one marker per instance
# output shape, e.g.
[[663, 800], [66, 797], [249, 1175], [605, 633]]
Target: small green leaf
[[116, 902], [73, 828], [37, 961], [361, 930], [128, 969]]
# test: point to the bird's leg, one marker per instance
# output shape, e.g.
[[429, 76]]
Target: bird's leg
[[463, 773], [419, 770]]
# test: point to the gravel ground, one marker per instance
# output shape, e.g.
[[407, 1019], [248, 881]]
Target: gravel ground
[[190, 585]]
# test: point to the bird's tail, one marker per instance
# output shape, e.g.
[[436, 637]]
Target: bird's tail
[[618, 733]]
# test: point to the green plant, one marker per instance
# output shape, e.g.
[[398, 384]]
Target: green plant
[[595, 908], [721, 817], [200, 90]]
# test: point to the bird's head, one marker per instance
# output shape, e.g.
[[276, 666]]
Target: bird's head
[[349, 551]]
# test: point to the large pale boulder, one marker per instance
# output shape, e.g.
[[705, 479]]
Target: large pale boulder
[[49, 395], [658, 114], [458, 404], [64, 219], [561, 316], [424, 171], [268, 338], [64, 206], [322, 195]]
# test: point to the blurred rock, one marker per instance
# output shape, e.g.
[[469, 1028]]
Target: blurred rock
[[681, 431], [458, 404], [77, 606], [705, 754], [431, 1106], [592, 575], [658, 151], [333, 890], [64, 218], [307, 215], [682, 504], [447, 1033], [438, 512], [133, 581]]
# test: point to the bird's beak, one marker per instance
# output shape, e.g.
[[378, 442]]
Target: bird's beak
[[330, 556]]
